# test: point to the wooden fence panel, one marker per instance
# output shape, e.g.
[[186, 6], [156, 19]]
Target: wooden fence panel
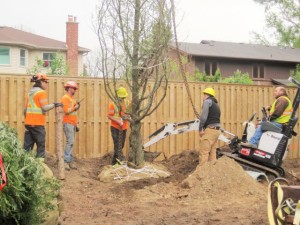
[[237, 102]]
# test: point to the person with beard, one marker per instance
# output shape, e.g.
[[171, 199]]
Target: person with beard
[[209, 127], [70, 107], [280, 114]]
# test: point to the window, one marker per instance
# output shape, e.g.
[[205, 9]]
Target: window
[[22, 57], [47, 58], [258, 71], [4, 56], [210, 68]]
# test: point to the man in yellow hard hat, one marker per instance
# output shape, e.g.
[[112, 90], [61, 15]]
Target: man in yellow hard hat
[[118, 115], [209, 128]]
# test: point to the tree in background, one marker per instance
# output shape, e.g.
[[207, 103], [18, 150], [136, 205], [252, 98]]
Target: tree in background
[[58, 66], [283, 22], [133, 37], [296, 73]]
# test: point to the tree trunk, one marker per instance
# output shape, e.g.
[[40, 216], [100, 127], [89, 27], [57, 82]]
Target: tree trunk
[[136, 153]]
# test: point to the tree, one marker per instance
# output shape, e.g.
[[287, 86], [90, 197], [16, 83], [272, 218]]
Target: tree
[[58, 66], [283, 22], [133, 37]]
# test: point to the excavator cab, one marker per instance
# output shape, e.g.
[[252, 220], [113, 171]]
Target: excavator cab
[[273, 145]]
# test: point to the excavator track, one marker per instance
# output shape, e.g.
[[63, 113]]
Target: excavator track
[[255, 165]]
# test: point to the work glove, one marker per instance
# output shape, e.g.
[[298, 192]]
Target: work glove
[[77, 129], [77, 106], [57, 104]]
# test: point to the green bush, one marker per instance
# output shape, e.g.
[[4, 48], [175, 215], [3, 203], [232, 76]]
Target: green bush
[[27, 196], [198, 76], [296, 73], [239, 78]]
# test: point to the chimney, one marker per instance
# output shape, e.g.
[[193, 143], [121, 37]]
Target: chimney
[[72, 45]]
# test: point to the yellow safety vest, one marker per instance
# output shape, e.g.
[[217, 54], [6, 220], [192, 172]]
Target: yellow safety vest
[[286, 115]]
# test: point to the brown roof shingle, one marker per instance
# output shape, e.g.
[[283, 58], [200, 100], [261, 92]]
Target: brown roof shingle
[[240, 51], [12, 36]]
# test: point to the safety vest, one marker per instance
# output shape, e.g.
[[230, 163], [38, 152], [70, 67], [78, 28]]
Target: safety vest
[[68, 107], [286, 115], [114, 111], [34, 113]]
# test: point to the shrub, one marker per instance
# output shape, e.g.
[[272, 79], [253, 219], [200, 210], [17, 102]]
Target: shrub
[[239, 78], [27, 196]]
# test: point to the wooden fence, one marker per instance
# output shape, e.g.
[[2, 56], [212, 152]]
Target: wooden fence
[[237, 103]]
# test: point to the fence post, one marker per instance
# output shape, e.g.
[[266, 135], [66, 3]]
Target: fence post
[[59, 142]]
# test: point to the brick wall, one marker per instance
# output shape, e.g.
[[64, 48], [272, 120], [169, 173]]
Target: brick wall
[[72, 45]]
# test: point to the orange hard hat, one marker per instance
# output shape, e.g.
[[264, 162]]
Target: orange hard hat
[[71, 84], [38, 77]]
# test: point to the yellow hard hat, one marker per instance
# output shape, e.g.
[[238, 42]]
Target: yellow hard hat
[[209, 91], [122, 93]]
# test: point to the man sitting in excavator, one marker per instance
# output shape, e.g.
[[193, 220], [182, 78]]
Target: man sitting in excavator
[[280, 114]]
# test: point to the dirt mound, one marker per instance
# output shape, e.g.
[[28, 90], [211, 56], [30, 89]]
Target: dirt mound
[[219, 193], [223, 177]]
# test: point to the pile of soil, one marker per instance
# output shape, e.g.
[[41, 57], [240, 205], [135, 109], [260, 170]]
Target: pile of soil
[[219, 192]]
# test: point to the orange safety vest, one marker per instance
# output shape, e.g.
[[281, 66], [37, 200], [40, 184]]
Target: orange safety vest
[[114, 111], [33, 104], [68, 107]]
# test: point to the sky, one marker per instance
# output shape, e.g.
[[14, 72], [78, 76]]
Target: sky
[[218, 20]]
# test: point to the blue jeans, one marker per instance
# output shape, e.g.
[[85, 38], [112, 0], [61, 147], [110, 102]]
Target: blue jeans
[[69, 130], [258, 133]]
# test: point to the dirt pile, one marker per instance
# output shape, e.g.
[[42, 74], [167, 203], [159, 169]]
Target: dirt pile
[[222, 178], [219, 193]]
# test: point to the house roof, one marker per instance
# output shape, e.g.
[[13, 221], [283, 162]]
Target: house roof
[[285, 82], [12, 36], [240, 51]]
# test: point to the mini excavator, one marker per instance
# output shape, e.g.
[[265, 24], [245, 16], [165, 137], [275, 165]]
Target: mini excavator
[[266, 158]]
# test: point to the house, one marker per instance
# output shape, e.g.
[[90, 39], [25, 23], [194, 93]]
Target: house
[[20, 49], [264, 64]]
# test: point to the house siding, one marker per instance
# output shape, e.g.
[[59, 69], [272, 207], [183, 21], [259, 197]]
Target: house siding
[[272, 70], [14, 66]]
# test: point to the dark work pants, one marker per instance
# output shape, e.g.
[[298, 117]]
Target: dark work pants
[[118, 136], [35, 134]]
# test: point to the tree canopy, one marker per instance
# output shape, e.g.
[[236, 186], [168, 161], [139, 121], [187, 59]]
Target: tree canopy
[[282, 22]]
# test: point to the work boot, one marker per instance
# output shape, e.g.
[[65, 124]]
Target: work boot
[[72, 166], [67, 167]]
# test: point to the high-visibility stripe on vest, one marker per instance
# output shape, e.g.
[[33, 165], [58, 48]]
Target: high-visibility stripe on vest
[[34, 113], [114, 111], [286, 115]]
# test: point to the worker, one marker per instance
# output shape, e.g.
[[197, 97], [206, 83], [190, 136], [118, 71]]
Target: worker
[[280, 114], [209, 127], [70, 107], [36, 105], [118, 115]]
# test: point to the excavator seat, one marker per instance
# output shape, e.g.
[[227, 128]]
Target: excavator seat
[[268, 126]]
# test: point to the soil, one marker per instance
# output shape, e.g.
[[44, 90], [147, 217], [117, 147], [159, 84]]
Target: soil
[[220, 192]]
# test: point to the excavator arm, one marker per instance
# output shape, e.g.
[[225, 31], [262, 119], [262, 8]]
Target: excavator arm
[[179, 128]]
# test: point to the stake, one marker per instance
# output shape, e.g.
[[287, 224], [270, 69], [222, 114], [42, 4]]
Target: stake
[[59, 142]]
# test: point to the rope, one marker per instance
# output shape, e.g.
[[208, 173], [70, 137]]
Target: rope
[[182, 71], [130, 172]]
